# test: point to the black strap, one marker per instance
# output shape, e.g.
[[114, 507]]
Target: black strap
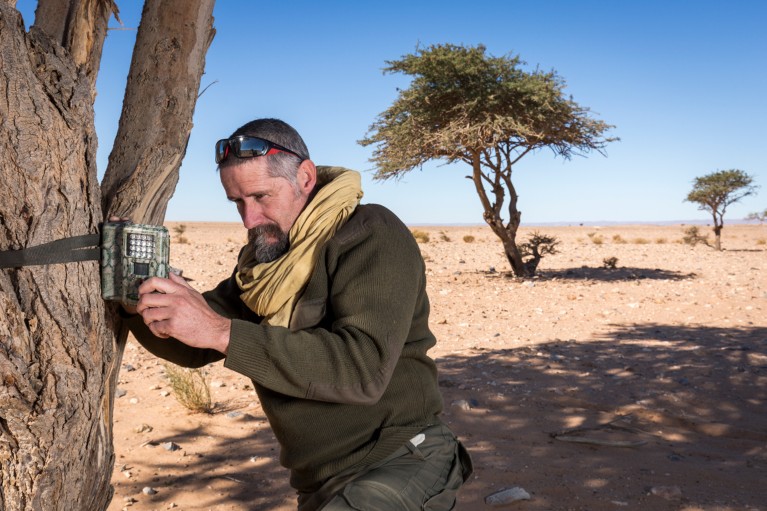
[[67, 250]]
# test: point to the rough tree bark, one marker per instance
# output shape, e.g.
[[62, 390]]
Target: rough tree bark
[[60, 345]]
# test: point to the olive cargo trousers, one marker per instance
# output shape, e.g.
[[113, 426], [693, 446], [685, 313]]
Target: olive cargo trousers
[[424, 474]]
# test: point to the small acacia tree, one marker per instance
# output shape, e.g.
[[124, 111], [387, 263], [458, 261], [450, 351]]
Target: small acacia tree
[[465, 106], [759, 217], [714, 192]]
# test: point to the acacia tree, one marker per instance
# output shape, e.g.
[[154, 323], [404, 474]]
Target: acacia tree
[[759, 217], [714, 192], [60, 344], [465, 106]]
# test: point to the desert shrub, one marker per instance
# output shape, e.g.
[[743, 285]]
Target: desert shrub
[[536, 246], [597, 239], [421, 236], [468, 238], [190, 386], [618, 239], [761, 241], [610, 262], [692, 236], [444, 237], [660, 241], [640, 241], [180, 229]]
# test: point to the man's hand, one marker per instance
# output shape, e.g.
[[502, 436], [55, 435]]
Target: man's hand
[[172, 308]]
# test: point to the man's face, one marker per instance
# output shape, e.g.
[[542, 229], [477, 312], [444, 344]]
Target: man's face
[[267, 205]]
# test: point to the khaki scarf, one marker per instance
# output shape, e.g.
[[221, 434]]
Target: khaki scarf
[[272, 289]]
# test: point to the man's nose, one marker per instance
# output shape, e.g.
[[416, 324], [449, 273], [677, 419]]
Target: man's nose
[[252, 215]]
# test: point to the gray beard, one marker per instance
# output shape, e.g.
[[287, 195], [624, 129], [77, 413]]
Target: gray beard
[[265, 251]]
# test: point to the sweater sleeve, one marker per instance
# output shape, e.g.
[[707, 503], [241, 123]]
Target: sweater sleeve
[[375, 280]]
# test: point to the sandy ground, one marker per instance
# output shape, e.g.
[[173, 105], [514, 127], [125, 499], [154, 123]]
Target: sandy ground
[[656, 370]]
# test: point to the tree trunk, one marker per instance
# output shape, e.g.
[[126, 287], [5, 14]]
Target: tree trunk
[[168, 62], [718, 225], [506, 233], [718, 237], [59, 343]]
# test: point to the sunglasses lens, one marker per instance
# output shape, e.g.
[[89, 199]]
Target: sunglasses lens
[[249, 146], [222, 150]]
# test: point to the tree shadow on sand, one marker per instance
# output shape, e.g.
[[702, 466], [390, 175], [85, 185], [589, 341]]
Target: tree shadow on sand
[[624, 273], [689, 401]]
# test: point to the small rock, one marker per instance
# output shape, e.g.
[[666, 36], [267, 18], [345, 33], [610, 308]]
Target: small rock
[[143, 428], [120, 392], [127, 474], [171, 446], [128, 367], [667, 492], [461, 404], [235, 415], [217, 384], [148, 490], [165, 393], [134, 400], [129, 500], [528, 283], [507, 496]]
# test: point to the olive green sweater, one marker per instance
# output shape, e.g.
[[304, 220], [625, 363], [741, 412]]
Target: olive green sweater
[[349, 381]]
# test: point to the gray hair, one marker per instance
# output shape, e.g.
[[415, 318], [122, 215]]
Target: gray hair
[[274, 130]]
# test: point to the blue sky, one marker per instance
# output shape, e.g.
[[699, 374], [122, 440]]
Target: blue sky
[[683, 82]]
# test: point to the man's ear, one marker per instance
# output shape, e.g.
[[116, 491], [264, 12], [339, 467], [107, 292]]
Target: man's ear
[[306, 177]]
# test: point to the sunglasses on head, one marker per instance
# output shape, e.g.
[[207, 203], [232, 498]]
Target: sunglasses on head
[[243, 146]]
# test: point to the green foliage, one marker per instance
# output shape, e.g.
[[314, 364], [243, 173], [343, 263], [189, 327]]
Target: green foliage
[[714, 192], [462, 102], [190, 386]]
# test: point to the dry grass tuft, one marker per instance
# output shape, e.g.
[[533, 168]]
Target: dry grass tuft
[[468, 238], [180, 229], [421, 236], [190, 386]]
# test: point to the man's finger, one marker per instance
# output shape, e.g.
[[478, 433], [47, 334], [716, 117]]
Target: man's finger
[[178, 279], [157, 285]]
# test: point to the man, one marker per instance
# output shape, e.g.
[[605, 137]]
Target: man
[[327, 313]]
